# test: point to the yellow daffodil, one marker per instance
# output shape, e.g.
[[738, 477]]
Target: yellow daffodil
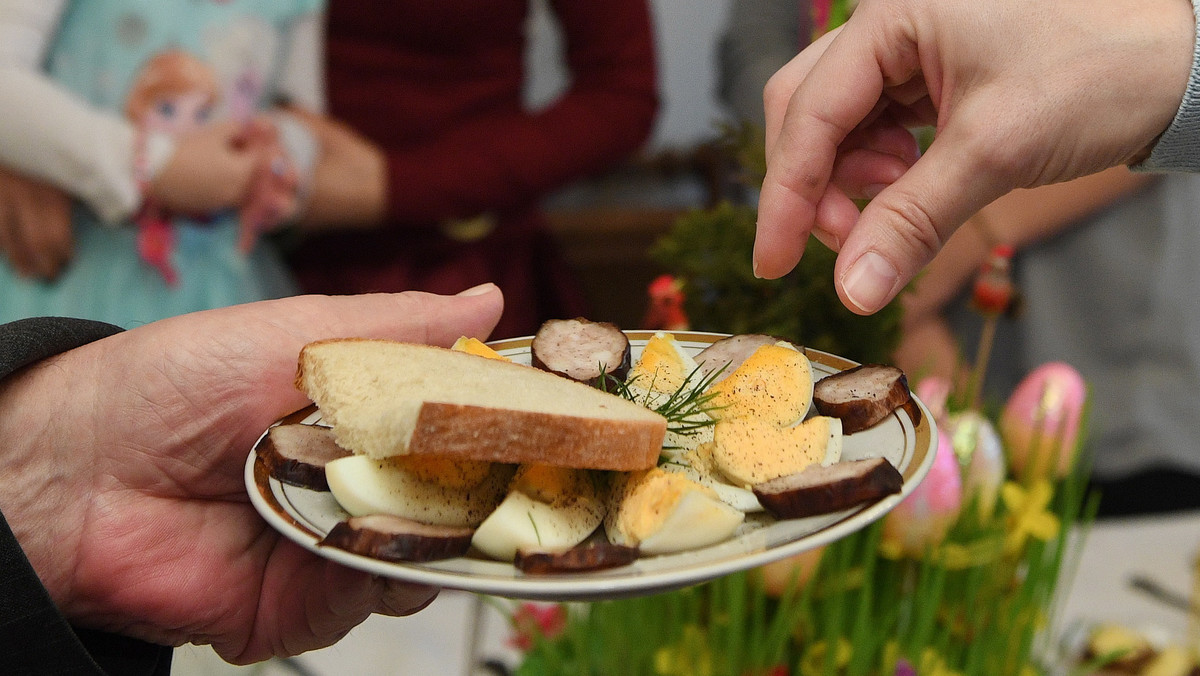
[[813, 661], [933, 664], [1028, 514]]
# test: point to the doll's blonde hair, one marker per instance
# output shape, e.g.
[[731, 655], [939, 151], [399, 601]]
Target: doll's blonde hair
[[169, 73]]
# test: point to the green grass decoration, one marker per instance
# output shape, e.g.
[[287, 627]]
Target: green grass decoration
[[709, 251], [688, 409]]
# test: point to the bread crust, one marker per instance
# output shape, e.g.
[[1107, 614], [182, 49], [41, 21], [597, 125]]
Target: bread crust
[[499, 435]]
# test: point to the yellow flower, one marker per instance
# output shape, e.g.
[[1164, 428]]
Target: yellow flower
[[933, 664], [891, 549], [813, 662], [1028, 514], [690, 656]]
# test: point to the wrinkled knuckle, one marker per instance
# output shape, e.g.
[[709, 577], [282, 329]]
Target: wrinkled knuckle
[[800, 180], [918, 230], [1001, 159]]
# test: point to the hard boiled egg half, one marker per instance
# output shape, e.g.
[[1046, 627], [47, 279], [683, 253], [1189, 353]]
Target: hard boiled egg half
[[431, 490], [662, 512], [547, 508]]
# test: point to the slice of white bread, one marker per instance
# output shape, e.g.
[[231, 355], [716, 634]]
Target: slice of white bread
[[385, 398]]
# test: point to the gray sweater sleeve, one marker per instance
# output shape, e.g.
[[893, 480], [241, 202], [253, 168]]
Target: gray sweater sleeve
[[1179, 147]]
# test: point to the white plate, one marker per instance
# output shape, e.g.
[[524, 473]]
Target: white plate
[[305, 516]]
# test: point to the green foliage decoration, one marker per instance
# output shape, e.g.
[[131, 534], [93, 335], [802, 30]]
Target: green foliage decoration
[[710, 249]]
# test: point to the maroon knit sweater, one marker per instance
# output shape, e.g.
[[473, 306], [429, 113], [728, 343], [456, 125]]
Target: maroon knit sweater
[[437, 86]]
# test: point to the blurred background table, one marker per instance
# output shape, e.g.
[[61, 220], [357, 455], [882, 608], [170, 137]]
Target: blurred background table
[[1118, 552]]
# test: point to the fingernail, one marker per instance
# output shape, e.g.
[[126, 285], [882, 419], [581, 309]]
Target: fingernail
[[874, 189], [480, 290], [754, 259], [870, 281]]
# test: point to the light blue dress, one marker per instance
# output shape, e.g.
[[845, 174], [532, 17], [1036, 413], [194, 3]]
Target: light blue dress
[[101, 52]]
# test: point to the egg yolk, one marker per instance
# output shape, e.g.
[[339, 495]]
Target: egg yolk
[[451, 473], [650, 496], [773, 385], [660, 367]]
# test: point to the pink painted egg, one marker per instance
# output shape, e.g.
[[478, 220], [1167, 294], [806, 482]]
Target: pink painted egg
[[1040, 423], [934, 392], [922, 520]]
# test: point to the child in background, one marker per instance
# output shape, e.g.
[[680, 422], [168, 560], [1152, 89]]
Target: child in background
[[171, 198]]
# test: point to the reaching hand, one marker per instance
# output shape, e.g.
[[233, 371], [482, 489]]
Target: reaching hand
[[35, 226], [123, 463], [1022, 93]]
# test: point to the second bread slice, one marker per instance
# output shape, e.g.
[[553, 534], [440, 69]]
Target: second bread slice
[[385, 398]]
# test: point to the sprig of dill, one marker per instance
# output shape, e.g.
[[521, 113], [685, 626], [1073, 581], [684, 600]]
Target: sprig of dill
[[688, 409]]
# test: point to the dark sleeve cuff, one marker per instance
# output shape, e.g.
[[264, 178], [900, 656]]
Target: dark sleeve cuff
[[34, 636], [28, 340]]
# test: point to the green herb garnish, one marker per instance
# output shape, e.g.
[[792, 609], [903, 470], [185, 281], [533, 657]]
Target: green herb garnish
[[688, 409], [536, 534]]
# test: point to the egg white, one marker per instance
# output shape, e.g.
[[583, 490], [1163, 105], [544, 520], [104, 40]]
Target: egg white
[[364, 485], [522, 522]]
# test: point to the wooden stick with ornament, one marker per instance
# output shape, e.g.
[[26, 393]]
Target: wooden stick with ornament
[[993, 294]]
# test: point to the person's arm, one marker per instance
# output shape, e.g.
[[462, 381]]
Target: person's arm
[[34, 635], [51, 134], [498, 164], [302, 86], [1019, 219], [1178, 149], [107, 442], [302, 72]]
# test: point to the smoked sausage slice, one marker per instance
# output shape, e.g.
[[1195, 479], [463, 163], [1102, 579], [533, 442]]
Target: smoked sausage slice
[[581, 350], [863, 396], [821, 489]]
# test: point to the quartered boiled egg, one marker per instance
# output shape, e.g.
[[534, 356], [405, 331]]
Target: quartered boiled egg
[[547, 508], [477, 347], [774, 385], [663, 368], [430, 490], [749, 451], [662, 512]]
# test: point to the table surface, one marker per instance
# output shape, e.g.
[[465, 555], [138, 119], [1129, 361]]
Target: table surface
[[436, 640]]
